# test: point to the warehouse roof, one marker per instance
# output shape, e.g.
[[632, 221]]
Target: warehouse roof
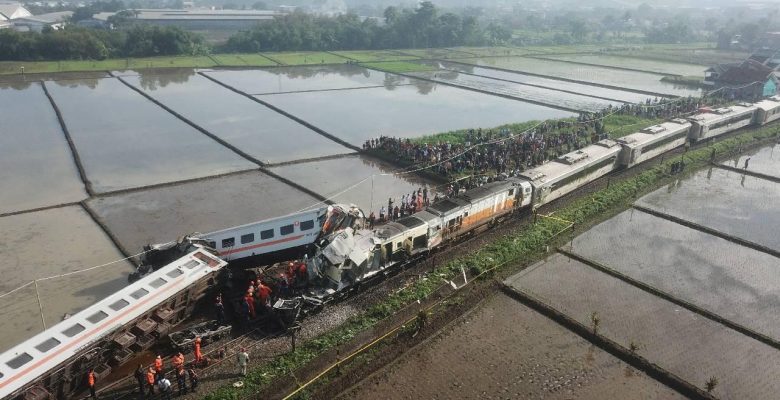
[[13, 10]]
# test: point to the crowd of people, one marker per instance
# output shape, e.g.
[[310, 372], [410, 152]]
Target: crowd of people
[[506, 152], [483, 155]]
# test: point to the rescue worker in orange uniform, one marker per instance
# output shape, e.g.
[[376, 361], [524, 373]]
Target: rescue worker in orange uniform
[[198, 354], [158, 367], [150, 380], [264, 292], [178, 361], [250, 302], [91, 383]]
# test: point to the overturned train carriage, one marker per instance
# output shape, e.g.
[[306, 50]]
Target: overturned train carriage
[[54, 363]]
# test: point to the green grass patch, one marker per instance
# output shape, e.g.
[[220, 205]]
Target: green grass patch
[[375, 55], [306, 58], [243, 60], [619, 125], [493, 51], [522, 246], [171, 62], [399, 67], [435, 53]]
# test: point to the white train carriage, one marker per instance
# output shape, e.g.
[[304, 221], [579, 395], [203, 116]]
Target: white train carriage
[[32, 365], [720, 121], [767, 110], [570, 171], [268, 236], [652, 141]]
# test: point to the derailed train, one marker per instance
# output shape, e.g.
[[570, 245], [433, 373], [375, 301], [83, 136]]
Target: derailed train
[[347, 258], [54, 362]]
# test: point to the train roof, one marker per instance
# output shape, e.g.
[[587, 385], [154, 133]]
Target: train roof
[[29, 360], [769, 103], [269, 221], [486, 190], [655, 133], [572, 163], [723, 113], [446, 206]]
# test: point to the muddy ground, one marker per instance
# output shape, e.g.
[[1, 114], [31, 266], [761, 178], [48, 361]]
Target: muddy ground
[[505, 350]]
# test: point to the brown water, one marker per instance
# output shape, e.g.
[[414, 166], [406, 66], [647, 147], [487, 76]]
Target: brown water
[[305, 78], [36, 164], [348, 180], [127, 141], [727, 201], [690, 346], [735, 282], [252, 127], [47, 243], [505, 350], [167, 213], [406, 111]]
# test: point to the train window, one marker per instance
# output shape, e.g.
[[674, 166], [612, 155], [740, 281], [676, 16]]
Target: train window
[[267, 234], [139, 293], [286, 230], [248, 238], [73, 330], [176, 272], [119, 304], [228, 242], [20, 360], [158, 282], [47, 345], [306, 225], [97, 317], [191, 264]]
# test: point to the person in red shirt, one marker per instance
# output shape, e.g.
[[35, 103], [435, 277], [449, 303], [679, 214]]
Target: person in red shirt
[[264, 292], [198, 354], [250, 302], [91, 383], [151, 378], [158, 367]]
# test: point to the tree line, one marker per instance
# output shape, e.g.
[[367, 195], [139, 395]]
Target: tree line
[[93, 44], [422, 27]]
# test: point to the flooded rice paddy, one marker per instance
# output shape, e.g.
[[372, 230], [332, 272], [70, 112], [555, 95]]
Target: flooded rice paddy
[[167, 213], [47, 243], [252, 127], [506, 350], [36, 165], [764, 161], [349, 180], [304, 79], [730, 202], [126, 141], [601, 75], [518, 91], [406, 111], [679, 341], [584, 89], [725, 278], [660, 67]]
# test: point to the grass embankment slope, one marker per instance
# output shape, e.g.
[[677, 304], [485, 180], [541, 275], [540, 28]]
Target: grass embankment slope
[[504, 256]]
